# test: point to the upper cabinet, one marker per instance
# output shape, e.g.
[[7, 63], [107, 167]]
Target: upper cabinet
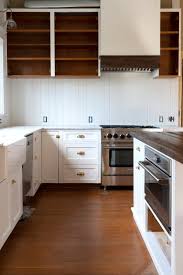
[[130, 27], [170, 60], [28, 50], [53, 43]]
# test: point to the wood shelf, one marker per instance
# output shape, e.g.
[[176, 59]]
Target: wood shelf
[[76, 31], [29, 58], [27, 45], [169, 49], [77, 44], [169, 32], [29, 31], [76, 59]]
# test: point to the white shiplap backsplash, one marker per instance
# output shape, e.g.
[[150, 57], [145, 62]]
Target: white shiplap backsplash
[[116, 98]]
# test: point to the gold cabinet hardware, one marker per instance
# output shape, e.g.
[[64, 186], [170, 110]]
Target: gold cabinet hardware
[[57, 136], [81, 136], [81, 153], [81, 174], [13, 181]]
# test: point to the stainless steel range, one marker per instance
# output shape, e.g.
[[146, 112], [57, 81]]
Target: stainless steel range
[[117, 154]]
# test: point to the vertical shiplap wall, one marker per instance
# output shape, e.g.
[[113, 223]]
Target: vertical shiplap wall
[[116, 98]]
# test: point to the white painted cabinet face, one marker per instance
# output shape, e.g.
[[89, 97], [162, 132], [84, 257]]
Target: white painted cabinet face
[[16, 196], [36, 162], [5, 219], [130, 27], [50, 156]]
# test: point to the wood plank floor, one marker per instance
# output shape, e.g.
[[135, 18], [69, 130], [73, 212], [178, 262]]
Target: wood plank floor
[[76, 231]]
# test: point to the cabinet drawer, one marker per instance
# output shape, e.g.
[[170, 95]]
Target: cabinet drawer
[[80, 155], [80, 136], [76, 174]]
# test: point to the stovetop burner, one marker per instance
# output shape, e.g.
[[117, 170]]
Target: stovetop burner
[[128, 126]]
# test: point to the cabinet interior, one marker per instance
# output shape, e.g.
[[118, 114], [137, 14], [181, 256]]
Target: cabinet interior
[[76, 44], [169, 59]]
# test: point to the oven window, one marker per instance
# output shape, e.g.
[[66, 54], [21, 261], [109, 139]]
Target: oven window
[[121, 157]]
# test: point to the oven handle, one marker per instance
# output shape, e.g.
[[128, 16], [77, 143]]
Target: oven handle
[[160, 181]]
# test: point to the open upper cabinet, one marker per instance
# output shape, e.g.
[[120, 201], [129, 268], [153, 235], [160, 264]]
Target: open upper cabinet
[[170, 58], [61, 44]]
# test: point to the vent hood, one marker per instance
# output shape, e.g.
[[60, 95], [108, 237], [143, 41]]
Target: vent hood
[[41, 4], [130, 35]]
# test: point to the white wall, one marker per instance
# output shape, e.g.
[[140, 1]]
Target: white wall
[[115, 98]]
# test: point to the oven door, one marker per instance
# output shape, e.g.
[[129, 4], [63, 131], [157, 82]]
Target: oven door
[[117, 160], [158, 192]]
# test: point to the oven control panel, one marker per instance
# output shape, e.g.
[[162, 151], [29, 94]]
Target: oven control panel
[[116, 135]]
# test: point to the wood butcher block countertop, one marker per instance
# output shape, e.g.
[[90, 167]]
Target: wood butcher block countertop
[[169, 143]]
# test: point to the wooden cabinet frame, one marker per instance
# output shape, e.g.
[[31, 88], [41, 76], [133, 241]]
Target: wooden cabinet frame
[[85, 62]]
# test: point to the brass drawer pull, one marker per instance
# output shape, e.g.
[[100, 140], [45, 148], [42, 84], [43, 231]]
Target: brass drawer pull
[[81, 174], [13, 181], [81, 153], [81, 136]]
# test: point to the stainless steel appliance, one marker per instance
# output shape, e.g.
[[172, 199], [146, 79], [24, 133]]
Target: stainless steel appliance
[[158, 185], [117, 154]]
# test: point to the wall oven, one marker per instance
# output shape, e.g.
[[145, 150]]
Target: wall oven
[[158, 185]]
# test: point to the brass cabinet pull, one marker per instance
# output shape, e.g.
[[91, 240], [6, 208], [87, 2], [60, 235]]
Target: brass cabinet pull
[[57, 136], [13, 181], [81, 153], [81, 174], [81, 136]]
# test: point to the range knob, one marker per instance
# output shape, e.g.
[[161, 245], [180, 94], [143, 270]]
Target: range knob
[[122, 136], [109, 136], [115, 135], [128, 136]]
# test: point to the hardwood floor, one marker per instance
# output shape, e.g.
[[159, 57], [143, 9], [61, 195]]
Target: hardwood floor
[[76, 231]]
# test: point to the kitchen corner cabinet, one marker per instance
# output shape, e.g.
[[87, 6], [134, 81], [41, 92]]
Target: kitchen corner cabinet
[[123, 32], [50, 156], [61, 43]]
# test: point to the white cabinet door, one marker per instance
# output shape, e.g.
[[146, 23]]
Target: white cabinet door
[[16, 196], [130, 27], [5, 219], [36, 162], [138, 178], [50, 156]]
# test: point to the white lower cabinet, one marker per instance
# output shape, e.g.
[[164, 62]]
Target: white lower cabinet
[[138, 181], [80, 156], [11, 205], [36, 169], [50, 156], [16, 196], [5, 220]]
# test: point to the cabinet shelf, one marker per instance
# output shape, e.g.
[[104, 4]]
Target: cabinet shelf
[[29, 58], [76, 30], [169, 49], [29, 31], [28, 45], [76, 44], [169, 32], [76, 58]]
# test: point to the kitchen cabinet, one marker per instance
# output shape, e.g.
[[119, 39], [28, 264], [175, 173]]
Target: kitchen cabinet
[[81, 157], [50, 156], [130, 28], [170, 58], [5, 222], [36, 173], [138, 180], [16, 196], [62, 43]]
